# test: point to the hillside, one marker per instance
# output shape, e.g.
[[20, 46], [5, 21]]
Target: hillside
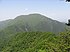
[[38, 42], [27, 42]]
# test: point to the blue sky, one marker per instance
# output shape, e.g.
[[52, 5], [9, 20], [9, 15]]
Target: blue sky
[[55, 9]]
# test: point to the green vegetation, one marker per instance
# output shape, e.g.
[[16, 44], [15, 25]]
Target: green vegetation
[[38, 42]]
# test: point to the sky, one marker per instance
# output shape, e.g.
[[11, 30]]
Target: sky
[[55, 9]]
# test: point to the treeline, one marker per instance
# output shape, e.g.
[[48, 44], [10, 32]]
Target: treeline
[[38, 42]]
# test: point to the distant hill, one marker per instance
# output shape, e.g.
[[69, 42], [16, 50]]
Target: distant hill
[[33, 22], [30, 23]]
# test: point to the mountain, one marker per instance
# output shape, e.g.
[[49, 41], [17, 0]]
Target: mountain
[[28, 23], [33, 22]]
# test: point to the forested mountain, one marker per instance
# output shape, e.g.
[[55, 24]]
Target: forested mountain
[[25, 27]]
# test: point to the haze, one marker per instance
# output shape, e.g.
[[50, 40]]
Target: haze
[[56, 9]]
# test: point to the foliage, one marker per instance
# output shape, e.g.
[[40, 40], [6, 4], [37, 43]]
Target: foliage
[[38, 42]]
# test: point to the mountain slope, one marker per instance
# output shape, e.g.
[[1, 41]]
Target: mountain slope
[[38, 42], [35, 22], [4, 24], [28, 23]]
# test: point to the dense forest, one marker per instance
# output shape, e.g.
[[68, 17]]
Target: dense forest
[[38, 42]]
